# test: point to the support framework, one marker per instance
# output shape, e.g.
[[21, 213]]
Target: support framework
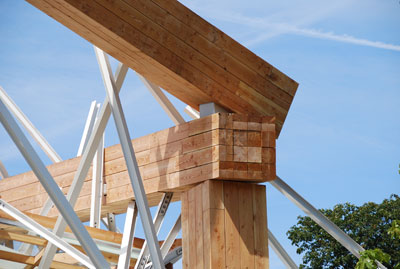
[[174, 48]]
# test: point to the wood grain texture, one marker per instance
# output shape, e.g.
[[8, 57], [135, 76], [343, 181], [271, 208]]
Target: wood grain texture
[[234, 226], [178, 50], [174, 159]]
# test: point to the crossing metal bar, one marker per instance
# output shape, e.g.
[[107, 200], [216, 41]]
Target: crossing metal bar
[[42, 231], [91, 118], [158, 220], [194, 114], [127, 238], [23, 119], [51, 187], [84, 165], [169, 241], [163, 100], [94, 107], [280, 251], [130, 158], [172, 257], [109, 222], [319, 218]]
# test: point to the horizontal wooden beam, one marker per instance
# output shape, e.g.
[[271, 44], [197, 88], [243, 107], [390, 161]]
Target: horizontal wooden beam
[[178, 50], [33, 260], [220, 146], [50, 222], [34, 240]]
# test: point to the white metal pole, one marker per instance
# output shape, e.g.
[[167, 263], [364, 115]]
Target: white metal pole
[[130, 158], [27, 248], [280, 251], [84, 165], [110, 218], [163, 100], [317, 216], [193, 113], [91, 118], [23, 119], [97, 186], [3, 170], [320, 219], [158, 220], [51, 187], [169, 240], [128, 236], [42, 231]]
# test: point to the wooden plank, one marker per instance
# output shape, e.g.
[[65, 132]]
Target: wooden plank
[[227, 44], [199, 226], [30, 260], [246, 229], [217, 235], [260, 222], [232, 223], [185, 230], [192, 228], [34, 240]]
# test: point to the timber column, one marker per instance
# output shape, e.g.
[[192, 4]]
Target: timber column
[[224, 220]]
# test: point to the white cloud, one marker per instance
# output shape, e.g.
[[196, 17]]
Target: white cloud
[[291, 20], [282, 29]]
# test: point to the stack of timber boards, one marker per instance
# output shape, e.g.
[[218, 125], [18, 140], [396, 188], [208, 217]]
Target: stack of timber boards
[[178, 50], [219, 146]]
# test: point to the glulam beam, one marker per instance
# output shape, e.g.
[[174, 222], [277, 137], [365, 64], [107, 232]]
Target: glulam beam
[[176, 49]]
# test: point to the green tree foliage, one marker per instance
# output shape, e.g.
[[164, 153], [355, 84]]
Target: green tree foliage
[[369, 257], [394, 231], [368, 225]]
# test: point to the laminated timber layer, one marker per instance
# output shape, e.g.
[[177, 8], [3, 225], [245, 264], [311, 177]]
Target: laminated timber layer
[[173, 47], [221, 146]]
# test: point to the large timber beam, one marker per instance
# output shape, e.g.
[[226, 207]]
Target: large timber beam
[[219, 146], [176, 49]]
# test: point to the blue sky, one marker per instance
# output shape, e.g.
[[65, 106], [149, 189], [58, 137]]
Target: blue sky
[[340, 142]]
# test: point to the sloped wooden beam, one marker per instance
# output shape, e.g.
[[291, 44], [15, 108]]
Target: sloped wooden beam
[[176, 49]]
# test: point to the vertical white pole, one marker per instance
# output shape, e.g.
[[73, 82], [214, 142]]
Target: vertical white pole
[[128, 236], [97, 185]]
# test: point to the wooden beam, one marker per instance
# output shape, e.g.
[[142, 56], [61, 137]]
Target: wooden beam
[[179, 51], [31, 260], [49, 222], [219, 146], [34, 240], [224, 226]]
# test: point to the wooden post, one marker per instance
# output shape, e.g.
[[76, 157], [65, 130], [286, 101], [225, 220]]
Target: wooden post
[[224, 225]]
